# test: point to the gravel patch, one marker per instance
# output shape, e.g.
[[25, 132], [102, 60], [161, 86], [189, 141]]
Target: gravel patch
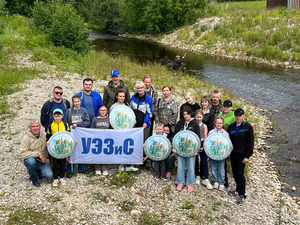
[[95, 199]]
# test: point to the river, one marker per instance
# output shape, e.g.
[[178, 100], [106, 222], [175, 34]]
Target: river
[[277, 90]]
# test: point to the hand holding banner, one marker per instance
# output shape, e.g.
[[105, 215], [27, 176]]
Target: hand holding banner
[[98, 146]]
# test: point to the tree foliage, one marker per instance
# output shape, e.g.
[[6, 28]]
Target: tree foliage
[[144, 16], [59, 20]]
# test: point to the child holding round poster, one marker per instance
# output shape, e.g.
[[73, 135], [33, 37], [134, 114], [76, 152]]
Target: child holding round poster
[[157, 149], [217, 166], [186, 123]]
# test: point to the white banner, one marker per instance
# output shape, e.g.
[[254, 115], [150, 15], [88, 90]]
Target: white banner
[[97, 146]]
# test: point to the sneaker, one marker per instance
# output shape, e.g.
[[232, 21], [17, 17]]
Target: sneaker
[[164, 178], [233, 192], [131, 168], [179, 187], [197, 180], [190, 188], [222, 187], [36, 183], [207, 184], [105, 172], [216, 185], [55, 183], [156, 178], [168, 175], [62, 181], [121, 167], [98, 172], [241, 199], [69, 175]]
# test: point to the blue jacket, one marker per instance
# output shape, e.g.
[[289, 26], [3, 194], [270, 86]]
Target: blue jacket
[[97, 100], [142, 108]]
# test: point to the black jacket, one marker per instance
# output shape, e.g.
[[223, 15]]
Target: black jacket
[[242, 140], [209, 119], [47, 110], [192, 126]]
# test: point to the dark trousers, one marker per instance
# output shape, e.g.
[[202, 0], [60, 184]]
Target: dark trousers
[[159, 168], [203, 173], [59, 167], [226, 178], [238, 167], [170, 163]]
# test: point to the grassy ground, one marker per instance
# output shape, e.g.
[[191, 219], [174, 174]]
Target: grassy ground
[[248, 29]]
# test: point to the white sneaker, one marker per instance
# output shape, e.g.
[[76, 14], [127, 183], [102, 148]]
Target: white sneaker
[[197, 180], [55, 183], [121, 167], [131, 168], [216, 185], [62, 181], [105, 172], [207, 184], [98, 172], [222, 187]]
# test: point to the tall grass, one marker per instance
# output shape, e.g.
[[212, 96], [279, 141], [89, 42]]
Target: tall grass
[[248, 28]]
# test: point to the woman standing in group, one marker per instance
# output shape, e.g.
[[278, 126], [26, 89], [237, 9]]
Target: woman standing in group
[[190, 101], [187, 123], [166, 110], [141, 104], [209, 116]]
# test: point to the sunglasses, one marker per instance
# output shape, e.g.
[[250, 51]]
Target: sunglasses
[[59, 93]]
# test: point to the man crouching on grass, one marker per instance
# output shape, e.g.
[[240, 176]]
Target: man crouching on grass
[[34, 153]]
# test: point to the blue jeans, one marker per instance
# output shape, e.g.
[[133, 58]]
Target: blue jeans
[[218, 170], [37, 169], [183, 162]]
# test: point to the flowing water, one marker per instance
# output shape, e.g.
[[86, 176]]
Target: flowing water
[[270, 88]]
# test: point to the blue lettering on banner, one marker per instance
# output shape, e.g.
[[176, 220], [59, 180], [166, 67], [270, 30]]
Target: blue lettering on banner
[[98, 146], [108, 145]]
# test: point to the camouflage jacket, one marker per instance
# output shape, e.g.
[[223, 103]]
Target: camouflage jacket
[[166, 112]]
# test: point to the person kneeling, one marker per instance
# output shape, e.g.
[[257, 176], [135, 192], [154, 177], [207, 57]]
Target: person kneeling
[[34, 153]]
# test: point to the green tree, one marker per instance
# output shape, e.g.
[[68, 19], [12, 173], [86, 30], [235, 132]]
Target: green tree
[[61, 23]]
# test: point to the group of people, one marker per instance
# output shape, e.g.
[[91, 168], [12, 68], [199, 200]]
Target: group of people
[[89, 110]]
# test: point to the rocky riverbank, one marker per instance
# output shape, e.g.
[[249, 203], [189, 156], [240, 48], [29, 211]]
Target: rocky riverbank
[[126, 198], [189, 43]]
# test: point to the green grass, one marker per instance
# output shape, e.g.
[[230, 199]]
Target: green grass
[[249, 29], [30, 216]]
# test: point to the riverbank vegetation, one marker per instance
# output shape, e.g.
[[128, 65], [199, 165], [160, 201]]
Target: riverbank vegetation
[[244, 30], [19, 38]]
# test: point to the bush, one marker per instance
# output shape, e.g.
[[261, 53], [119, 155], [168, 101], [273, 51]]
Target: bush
[[61, 23], [3, 10]]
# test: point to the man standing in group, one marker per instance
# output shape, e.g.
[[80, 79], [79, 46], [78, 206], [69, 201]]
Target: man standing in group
[[113, 86], [53, 103], [216, 103], [152, 92], [34, 153], [90, 100], [242, 138]]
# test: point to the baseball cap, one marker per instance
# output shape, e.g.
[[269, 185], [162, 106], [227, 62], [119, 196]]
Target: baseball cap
[[58, 111], [239, 112], [227, 103], [115, 73]]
